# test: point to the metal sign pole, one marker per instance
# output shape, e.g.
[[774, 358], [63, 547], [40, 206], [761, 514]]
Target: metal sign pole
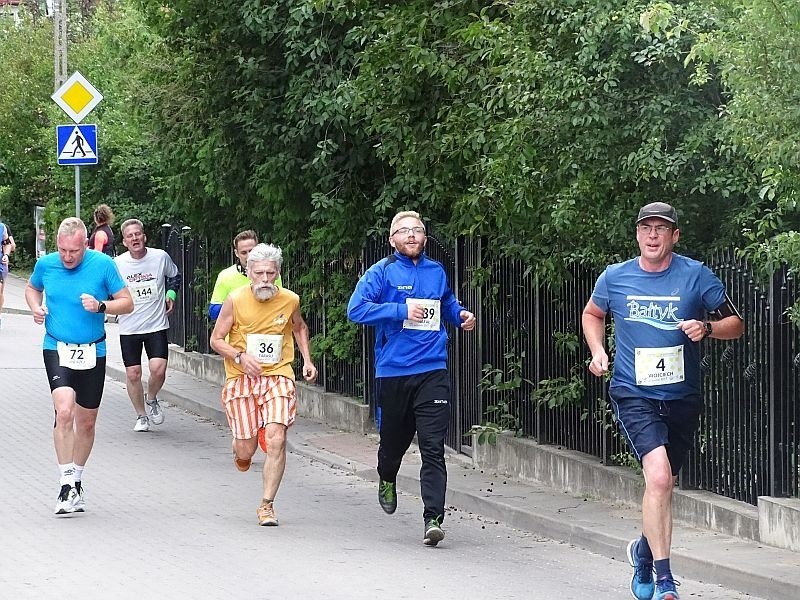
[[77, 191]]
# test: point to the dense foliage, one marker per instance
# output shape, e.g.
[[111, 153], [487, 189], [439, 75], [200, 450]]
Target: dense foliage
[[540, 125]]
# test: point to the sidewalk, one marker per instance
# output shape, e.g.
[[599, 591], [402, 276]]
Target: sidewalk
[[735, 563]]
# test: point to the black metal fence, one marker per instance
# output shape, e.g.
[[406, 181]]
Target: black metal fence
[[749, 438]]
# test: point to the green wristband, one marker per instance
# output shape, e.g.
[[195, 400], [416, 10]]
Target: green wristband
[[172, 295]]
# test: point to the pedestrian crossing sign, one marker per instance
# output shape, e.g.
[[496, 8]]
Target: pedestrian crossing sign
[[76, 144]]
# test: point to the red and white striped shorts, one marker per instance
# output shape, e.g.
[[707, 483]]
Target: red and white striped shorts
[[251, 402]]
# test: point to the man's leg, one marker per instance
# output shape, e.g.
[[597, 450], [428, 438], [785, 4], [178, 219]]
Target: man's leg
[[397, 426], [275, 461], [657, 502], [133, 382], [158, 374], [432, 415], [85, 425], [64, 429]]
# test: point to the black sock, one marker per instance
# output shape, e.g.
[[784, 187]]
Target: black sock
[[662, 569]]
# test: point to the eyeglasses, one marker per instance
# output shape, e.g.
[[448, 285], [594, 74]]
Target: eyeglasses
[[659, 229], [409, 231]]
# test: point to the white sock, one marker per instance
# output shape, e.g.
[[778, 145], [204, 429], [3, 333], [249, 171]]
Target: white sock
[[67, 474], [79, 472]]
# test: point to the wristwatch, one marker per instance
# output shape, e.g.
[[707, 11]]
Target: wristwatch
[[101, 307], [238, 358], [709, 329]]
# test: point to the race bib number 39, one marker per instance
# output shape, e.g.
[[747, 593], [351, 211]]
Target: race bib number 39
[[431, 317], [267, 349], [78, 357], [659, 366]]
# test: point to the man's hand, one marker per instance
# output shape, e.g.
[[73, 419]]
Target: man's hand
[[90, 303], [170, 305], [416, 313], [309, 372], [39, 313], [695, 330], [599, 364], [468, 320]]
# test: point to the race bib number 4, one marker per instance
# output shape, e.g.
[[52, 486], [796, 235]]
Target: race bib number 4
[[78, 357], [659, 366], [267, 349], [143, 292], [431, 317]]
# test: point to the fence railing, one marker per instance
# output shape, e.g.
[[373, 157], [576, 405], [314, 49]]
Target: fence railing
[[749, 438]]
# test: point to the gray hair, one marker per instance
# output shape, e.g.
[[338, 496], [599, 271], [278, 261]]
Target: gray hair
[[71, 226], [130, 222], [263, 252]]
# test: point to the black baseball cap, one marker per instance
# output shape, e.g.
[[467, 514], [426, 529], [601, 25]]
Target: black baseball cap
[[660, 210]]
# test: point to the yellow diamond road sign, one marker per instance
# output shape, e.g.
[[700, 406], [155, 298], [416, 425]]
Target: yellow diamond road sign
[[77, 97]]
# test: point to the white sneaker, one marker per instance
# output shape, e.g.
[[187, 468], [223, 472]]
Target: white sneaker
[[154, 412], [66, 500], [79, 505], [142, 423]]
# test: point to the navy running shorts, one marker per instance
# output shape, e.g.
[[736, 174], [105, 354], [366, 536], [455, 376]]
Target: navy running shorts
[[648, 424]]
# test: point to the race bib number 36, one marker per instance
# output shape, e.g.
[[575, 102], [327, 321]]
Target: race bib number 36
[[78, 357], [659, 366], [431, 317], [267, 349]]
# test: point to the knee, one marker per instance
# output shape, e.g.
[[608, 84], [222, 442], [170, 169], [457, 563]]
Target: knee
[[276, 439], [134, 374], [660, 481], [65, 417], [157, 370]]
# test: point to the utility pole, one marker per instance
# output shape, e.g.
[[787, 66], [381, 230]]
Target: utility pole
[[60, 42]]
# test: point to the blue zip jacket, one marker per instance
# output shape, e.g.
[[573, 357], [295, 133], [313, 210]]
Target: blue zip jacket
[[380, 299]]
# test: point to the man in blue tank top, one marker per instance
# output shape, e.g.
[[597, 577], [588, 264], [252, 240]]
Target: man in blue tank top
[[663, 305]]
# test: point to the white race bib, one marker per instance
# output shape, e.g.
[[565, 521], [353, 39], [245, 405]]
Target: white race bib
[[266, 348], [431, 318], [143, 292], [78, 357], [659, 366]]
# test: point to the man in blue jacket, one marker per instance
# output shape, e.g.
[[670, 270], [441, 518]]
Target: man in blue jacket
[[406, 296]]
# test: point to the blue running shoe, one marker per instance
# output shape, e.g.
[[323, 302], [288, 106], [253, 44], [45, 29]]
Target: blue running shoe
[[665, 589], [642, 585]]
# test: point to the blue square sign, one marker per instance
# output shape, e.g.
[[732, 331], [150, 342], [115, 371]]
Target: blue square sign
[[76, 144]]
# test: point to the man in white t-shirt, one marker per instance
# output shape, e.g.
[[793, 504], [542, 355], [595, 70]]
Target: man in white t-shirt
[[153, 280]]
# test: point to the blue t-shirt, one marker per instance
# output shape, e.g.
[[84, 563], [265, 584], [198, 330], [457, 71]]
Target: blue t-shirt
[[646, 308], [67, 320], [380, 299]]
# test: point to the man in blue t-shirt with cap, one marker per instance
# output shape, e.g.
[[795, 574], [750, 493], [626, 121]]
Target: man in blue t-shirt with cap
[[663, 305]]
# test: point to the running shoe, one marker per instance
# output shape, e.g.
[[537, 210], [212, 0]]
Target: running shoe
[[387, 496], [142, 423], [154, 412], [433, 532], [665, 589], [262, 438], [266, 514], [79, 505], [66, 500], [642, 584]]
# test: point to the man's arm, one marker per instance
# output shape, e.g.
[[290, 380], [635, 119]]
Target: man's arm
[[593, 322], [301, 337], [218, 296], [221, 330], [33, 298], [364, 307]]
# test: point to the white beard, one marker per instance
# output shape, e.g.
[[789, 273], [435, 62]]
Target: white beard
[[264, 292]]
